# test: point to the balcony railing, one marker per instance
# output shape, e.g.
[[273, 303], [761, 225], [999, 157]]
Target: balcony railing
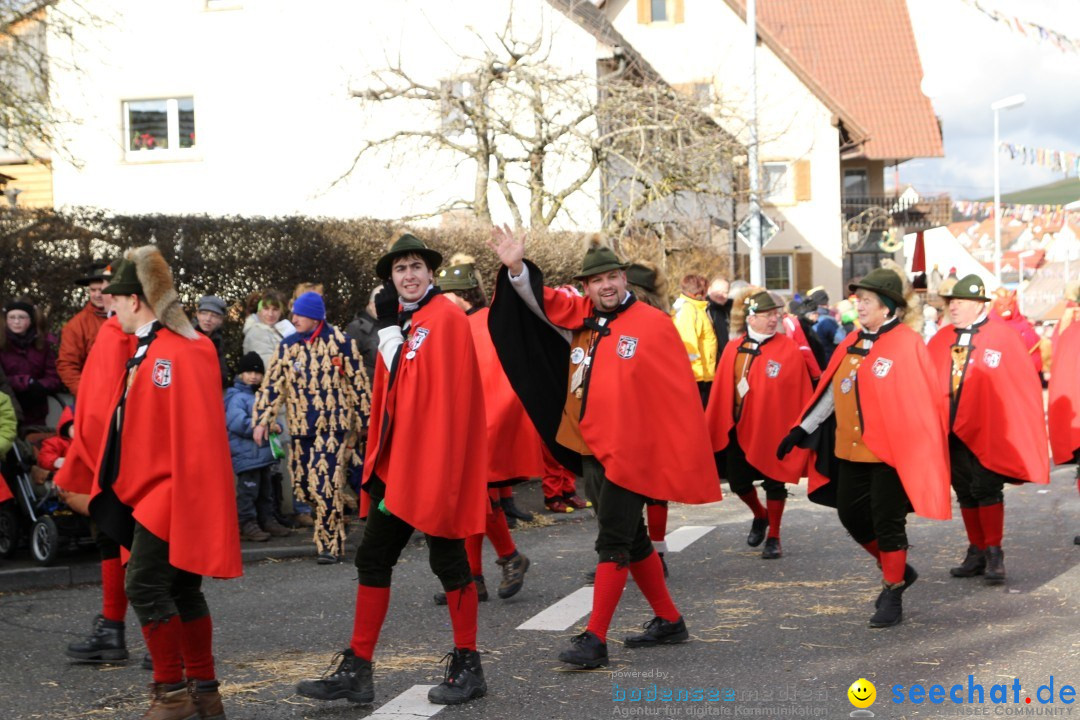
[[921, 214]]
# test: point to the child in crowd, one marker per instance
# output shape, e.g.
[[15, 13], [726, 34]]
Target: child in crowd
[[55, 449], [251, 463]]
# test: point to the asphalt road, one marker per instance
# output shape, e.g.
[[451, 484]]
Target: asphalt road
[[779, 638]]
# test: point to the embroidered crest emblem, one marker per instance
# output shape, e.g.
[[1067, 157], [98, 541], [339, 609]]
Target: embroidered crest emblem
[[577, 355], [772, 369], [882, 366], [417, 338], [845, 385], [627, 347], [162, 375], [992, 358]]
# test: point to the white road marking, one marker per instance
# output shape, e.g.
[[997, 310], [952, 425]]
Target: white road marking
[[680, 538], [562, 614], [412, 703]]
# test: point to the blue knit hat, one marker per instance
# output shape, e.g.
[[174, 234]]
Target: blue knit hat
[[310, 305]]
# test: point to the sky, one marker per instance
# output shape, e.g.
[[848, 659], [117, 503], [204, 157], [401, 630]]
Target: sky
[[969, 61]]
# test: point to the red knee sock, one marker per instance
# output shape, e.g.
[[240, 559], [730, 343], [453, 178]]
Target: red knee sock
[[113, 598], [649, 576], [499, 534], [196, 644], [463, 609], [607, 589], [973, 527], [872, 548], [775, 508], [892, 565], [474, 548], [371, 606], [992, 520], [752, 502], [656, 518], [163, 640]]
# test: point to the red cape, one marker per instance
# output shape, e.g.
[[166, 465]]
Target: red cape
[[5, 491], [175, 467], [903, 415], [1000, 413], [1019, 324], [779, 388], [513, 443], [428, 441], [642, 414], [101, 374], [1064, 412]]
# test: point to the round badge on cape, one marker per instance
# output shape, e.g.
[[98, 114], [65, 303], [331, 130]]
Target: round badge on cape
[[577, 355], [845, 385]]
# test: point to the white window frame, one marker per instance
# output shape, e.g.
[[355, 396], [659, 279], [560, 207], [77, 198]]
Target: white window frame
[[212, 5], [790, 259], [787, 195], [172, 113]]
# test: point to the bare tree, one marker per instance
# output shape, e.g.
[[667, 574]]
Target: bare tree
[[28, 119], [537, 134]]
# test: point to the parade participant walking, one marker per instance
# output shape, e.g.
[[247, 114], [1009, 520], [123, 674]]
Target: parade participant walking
[[426, 469], [513, 446], [1063, 412], [318, 375], [81, 331], [589, 371], [876, 431], [147, 484], [99, 377], [985, 369], [761, 386]]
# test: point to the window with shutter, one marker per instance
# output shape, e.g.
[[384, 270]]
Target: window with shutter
[[804, 272], [802, 181]]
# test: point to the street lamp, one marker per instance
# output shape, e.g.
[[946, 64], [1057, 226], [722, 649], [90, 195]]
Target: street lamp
[[1020, 284], [1003, 104]]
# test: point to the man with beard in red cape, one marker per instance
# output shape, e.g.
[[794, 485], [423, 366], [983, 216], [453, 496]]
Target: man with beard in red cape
[[997, 430], [761, 385], [876, 433], [426, 469], [164, 485], [607, 384]]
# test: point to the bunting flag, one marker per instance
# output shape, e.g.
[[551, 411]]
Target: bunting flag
[[1057, 160], [1030, 30], [979, 210]]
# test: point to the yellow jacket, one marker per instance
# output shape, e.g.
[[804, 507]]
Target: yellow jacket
[[699, 339]]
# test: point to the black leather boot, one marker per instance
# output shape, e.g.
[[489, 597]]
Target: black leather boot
[[974, 564], [757, 531], [659, 631], [464, 679], [995, 565], [513, 511], [890, 606], [351, 679], [105, 643], [586, 650]]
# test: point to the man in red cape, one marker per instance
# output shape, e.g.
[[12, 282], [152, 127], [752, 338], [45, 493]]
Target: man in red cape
[[513, 445], [876, 431], [102, 372], [1064, 410], [592, 372], [426, 469], [761, 385], [164, 487], [1006, 308], [997, 430]]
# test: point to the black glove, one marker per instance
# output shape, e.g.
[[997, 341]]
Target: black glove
[[386, 305], [796, 436]]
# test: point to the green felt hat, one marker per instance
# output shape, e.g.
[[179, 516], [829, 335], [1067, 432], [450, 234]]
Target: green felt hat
[[969, 287], [641, 276], [885, 283], [599, 258], [457, 277], [761, 302], [406, 245], [124, 280]]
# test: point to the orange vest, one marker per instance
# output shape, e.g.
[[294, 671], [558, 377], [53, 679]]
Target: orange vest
[[845, 388]]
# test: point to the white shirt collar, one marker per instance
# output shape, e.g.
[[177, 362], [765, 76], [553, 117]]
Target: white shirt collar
[[757, 337], [145, 329]]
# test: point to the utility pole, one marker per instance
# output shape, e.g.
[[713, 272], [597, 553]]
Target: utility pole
[[756, 274]]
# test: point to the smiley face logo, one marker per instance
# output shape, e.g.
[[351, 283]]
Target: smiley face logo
[[862, 693]]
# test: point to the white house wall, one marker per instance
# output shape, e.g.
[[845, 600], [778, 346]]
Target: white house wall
[[275, 122], [711, 45]]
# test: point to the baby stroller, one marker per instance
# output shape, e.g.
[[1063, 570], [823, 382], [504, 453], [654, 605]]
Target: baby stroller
[[36, 506]]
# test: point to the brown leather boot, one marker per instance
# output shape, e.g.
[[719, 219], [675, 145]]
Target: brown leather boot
[[207, 699], [171, 702]]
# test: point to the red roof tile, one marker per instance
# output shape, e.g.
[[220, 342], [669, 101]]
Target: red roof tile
[[863, 56]]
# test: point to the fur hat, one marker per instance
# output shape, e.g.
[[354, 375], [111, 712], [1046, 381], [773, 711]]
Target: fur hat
[[156, 279], [739, 309]]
